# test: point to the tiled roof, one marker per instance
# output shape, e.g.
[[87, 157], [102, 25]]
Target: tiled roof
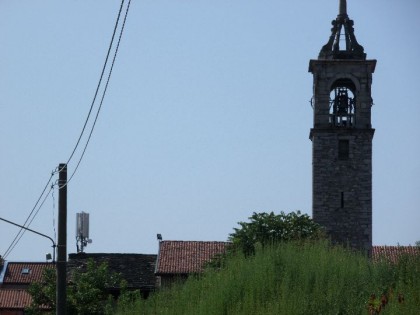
[[24, 272], [136, 269], [185, 257], [14, 299], [393, 253]]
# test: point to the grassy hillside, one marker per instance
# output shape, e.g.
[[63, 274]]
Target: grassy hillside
[[292, 279]]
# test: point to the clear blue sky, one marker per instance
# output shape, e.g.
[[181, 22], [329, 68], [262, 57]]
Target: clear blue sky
[[206, 118]]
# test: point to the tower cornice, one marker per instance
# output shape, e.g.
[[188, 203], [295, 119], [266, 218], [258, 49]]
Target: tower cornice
[[371, 63], [341, 132]]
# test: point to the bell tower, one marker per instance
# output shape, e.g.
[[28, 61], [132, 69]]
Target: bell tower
[[342, 136]]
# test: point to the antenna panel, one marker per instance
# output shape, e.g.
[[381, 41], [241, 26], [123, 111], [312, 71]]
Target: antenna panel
[[82, 225]]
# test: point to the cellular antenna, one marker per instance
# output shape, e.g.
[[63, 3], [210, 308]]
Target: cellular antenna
[[82, 231]]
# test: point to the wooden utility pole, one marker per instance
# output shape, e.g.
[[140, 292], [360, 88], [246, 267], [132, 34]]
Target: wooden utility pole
[[61, 296]]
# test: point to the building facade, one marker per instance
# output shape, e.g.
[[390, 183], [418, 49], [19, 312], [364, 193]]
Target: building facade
[[342, 136]]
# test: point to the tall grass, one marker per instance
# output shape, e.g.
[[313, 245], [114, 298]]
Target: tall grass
[[291, 279]]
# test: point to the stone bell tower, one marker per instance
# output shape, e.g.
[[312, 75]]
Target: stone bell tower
[[342, 136]]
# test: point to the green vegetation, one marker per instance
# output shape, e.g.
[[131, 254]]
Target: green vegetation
[[279, 264], [269, 228], [87, 292], [293, 278]]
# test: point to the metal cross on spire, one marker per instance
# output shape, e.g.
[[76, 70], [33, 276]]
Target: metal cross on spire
[[342, 11]]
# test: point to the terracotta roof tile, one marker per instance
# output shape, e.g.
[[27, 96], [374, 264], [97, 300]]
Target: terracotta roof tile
[[393, 253], [184, 257], [14, 299], [24, 272]]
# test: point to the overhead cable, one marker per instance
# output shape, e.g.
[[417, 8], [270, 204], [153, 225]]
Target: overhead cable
[[103, 94], [99, 83], [28, 220], [32, 215]]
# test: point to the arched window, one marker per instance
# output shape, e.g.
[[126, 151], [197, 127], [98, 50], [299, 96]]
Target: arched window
[[342, 104]]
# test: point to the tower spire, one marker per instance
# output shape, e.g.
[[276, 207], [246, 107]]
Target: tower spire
[[342, 43], [342, 10]]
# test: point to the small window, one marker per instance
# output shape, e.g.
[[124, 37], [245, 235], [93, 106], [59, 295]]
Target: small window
[[26, 271], [343, 149]]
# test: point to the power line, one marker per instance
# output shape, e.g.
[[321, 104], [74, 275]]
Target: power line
[[99, 83], [21, 232], [26, 224], [103, 94], [30, 214]]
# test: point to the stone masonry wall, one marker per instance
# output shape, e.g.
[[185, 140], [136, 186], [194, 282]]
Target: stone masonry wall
[[342, 189]]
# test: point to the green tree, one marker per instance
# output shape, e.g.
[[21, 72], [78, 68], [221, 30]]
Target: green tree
[[43, 293], [268, 228], [86, 291]]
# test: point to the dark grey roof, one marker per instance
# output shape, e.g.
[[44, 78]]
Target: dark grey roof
[[136, 269]]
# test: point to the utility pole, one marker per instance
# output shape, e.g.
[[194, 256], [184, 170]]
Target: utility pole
[[61, 296]]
